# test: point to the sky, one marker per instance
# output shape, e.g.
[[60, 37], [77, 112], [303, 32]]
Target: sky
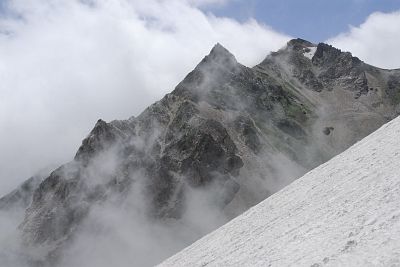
[[66, 63], [313, 20]]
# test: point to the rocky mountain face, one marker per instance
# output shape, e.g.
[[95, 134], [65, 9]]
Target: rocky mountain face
[[239, 133]]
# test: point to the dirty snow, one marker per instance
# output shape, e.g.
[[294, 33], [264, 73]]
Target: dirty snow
[[311, 53], [344, 213]]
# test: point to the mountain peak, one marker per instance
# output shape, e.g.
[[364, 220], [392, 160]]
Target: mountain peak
[[221, 55], [296, 46], [300, 43], [220, 50], [329, 55]]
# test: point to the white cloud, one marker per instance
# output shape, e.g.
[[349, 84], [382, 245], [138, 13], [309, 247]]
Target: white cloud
[[66, 63], [207, 2], [376, 41]]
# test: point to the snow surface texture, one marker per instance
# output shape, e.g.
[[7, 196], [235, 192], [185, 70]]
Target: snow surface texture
[[311, 52], [346, 212]]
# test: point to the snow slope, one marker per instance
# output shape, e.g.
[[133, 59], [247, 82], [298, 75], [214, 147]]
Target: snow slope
[[346, 212]]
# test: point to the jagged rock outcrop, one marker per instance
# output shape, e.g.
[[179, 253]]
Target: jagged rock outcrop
[[245, 132]]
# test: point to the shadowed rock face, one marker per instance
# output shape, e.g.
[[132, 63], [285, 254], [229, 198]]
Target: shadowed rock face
[[245, 131]]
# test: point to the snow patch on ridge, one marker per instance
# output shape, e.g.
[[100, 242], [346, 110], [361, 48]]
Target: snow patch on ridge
[[310, 53]]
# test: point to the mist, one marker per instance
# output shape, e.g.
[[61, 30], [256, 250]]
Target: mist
[[122, 235], [65, 64], [117, 227]]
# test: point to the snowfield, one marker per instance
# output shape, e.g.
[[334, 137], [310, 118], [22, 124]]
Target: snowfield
[[346, 212]]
